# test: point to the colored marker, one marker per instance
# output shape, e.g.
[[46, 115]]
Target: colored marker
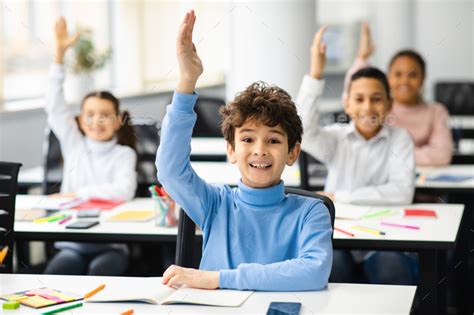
[[343, 232], [89, 294], [128, 312], [69, 217], [376, 214], [65, 308], [368, 230], [413, 227]]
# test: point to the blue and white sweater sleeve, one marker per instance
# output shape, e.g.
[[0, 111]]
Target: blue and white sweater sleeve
[[175, 173], [308, 272]]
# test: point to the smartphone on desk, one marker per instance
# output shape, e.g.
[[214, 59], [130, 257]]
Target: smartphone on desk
[[82, 225], [284, 308]]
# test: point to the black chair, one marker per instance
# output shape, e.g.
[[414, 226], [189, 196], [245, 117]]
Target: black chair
[[52, 163], [148, 140], [458, 97], [310, 167], [208, 118], [8, 190], [186, 240]]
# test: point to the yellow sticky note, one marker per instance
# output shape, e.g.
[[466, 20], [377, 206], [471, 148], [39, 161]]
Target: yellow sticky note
[[133, 216], [37, 301]]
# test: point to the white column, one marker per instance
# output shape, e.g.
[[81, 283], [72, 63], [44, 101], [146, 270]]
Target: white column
[[269, 41]]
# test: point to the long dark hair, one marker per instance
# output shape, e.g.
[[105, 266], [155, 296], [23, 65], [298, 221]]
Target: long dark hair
[[126, 133]]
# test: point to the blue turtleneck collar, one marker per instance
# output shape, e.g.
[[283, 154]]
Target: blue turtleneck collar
[[261, 196]]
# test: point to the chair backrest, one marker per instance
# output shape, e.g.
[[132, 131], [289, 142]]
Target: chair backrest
[[52, 163], [208, 117], [8, 189], [148, 140], [458, 97], [309, 167], [185, 243]]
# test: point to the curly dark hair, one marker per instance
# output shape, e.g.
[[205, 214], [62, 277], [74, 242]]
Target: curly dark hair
[[266, 104]]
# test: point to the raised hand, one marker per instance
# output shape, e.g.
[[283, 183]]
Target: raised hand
[[190, 65], [318, 54], [63, 40], [366, 46], [176, 276]]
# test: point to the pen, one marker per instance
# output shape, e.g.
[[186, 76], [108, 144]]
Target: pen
[[89, 294], [376, 214], [414, 227], [368, 230], [65, 308], [343, 232], [69, 217]]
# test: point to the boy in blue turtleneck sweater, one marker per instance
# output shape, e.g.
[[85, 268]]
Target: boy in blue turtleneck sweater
[[254, 236]]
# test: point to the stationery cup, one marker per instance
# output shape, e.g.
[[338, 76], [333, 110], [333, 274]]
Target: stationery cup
[[165, 211]]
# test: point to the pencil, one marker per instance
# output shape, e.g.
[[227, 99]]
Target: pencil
[[128, 312], [368, 230], [376, 214], [88, 295], [343, 232], [65, 308]]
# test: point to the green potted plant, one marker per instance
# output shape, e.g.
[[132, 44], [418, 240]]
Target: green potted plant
[[84, 61]]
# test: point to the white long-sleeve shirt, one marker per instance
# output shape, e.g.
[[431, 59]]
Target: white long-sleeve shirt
[[380, 170], [101, 169]]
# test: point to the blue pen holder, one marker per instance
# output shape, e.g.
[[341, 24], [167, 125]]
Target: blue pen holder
[[165, 211]]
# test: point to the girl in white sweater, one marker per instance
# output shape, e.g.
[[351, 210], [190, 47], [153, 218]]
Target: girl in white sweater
[[99, 161]]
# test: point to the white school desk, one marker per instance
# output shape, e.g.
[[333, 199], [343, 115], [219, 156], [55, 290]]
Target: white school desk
[[460, 186], [337, 298], [431, 241]]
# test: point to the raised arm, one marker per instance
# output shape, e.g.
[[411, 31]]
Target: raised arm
[[317, 141], [173, 158], [60, 119], [366, 49]]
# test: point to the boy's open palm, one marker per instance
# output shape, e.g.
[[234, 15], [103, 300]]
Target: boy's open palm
[[190, 65], [318, 54], [176, 276], [63, 40]]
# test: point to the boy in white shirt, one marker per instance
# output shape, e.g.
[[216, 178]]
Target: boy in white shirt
[[368, 161]]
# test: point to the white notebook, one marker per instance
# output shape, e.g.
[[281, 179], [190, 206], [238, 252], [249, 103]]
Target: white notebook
[[161, 294]]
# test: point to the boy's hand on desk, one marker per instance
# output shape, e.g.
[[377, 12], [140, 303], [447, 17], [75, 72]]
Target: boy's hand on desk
[[63, 40], [318, 55], [176, 276], [190, 65], [366, 47]]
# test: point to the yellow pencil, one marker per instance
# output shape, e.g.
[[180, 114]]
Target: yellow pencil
[[3, 254], [368, 230]]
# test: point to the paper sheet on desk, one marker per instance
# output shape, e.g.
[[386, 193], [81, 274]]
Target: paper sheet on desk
[[352, 212]]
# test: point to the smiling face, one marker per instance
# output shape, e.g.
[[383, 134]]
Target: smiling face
[[406, 80], [261, 153], [367, 105], [98, 119]]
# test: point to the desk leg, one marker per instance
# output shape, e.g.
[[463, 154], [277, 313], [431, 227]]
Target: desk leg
[[432, 289]]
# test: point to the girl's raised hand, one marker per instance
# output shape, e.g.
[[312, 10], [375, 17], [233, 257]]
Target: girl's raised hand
[[318, 54], [190, 65], [63, 40], [366, 46]]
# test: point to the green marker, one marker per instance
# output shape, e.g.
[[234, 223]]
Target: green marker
[[62, 309], [376, 214]]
